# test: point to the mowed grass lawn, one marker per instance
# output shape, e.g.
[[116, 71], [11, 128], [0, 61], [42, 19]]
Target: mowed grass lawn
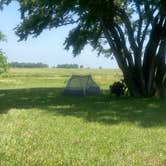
[[39, 126]]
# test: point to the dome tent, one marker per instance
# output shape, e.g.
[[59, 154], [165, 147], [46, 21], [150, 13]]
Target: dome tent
[[82, 85]]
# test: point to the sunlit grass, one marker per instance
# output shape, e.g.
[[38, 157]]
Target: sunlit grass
[[41, 126], [17, 78]]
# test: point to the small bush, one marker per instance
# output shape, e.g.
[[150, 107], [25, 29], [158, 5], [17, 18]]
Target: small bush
[[118, 88]]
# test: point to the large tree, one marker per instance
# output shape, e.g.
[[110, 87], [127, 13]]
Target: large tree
[[133, 31]]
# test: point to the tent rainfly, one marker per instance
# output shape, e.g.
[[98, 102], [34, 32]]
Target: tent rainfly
[[82, 85]]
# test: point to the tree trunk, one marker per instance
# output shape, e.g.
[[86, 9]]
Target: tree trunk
[[143, 78], [153, 80]]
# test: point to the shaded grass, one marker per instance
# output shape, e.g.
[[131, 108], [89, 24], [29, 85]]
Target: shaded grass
[[41, 126], [143, 112]]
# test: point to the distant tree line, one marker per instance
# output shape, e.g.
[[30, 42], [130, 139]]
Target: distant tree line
[[27, 65], [69, 66]]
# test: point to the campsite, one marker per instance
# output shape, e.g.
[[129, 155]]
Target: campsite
[[82, 83], [41, 126]]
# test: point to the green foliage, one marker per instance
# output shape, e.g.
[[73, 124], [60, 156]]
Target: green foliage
[[118, 88], [3, 59], [38, 15], [2, 37], [87, 15], [3, 63]]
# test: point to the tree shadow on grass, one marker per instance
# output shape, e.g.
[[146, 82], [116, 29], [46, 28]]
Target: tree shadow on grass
[[101, 109]]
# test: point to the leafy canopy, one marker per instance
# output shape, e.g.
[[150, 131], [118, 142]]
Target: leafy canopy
[[38, 15], [86, 15]]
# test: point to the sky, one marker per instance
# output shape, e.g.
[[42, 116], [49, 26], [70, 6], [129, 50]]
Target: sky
[[47, 48]]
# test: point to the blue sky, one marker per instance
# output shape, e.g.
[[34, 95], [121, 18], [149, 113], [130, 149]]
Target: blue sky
[[47, 48]]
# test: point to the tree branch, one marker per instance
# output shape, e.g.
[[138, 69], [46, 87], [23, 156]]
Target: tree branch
[[123, 45], [113, 46], [139, 23], [129, 29]]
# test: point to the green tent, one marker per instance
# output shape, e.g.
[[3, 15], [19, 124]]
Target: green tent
[[82, 85]]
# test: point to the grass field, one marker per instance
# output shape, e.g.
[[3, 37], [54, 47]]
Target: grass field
[[28, 78], [41, 127]]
